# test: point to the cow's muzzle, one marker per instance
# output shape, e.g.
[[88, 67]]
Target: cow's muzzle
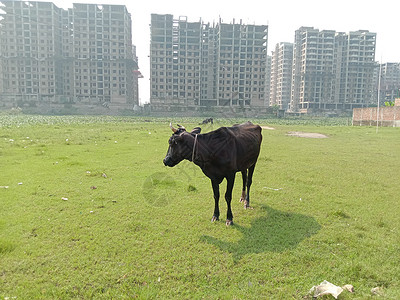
[[168, 162]]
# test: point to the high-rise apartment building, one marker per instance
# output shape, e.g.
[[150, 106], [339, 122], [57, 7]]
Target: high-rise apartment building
[[136, 75], [357, 64], [31, 50], [175, 57], [80, 55], [281, 75], [102, 52], [313, 76], [198, 65], [268, 81], [332, 71], [390, 81]]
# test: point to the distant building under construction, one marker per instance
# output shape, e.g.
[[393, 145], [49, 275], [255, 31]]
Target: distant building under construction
[[281, 75], [196, 66], [83, 55], [332, 71], [390, 81]]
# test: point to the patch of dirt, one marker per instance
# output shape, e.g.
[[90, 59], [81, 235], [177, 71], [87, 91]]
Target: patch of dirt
[[267, 127], [311, 135]]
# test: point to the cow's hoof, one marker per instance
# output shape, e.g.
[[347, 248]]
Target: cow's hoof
[[247, 205], [214, 218], [229, 223]]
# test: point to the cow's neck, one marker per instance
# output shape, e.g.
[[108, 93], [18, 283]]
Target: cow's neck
[[200, 154]]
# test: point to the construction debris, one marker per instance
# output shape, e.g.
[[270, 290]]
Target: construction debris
[[326, 288]]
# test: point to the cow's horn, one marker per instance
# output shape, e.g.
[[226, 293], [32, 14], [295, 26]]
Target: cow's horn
[[182, 127], [172, 127]]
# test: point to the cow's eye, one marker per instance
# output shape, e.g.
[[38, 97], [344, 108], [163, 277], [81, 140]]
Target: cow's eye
[[176, 140]]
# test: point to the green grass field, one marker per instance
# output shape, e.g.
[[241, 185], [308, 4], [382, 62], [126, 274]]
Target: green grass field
[[88, 211]]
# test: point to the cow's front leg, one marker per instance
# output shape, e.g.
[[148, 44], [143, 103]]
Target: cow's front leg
[[215, 187], [228, 197]]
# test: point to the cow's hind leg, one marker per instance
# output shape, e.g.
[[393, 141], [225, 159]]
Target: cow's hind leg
[[228, 197], [249, 181], [244, 178], [215, 186]]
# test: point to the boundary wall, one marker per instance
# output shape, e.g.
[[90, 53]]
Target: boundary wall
[[385, 116]]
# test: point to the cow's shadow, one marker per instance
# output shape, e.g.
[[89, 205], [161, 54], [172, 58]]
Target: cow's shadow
[[277, 231]]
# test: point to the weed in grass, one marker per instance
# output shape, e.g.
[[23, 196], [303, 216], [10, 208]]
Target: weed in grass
[[340, 214], [191, 188], [6, 246]]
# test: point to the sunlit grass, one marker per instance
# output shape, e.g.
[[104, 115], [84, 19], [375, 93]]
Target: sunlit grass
[[91, 212]]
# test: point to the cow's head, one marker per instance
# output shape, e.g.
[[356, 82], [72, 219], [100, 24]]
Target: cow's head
[[180, 145]]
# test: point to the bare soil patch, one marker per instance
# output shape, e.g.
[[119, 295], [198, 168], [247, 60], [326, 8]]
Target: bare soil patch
[[267, 127], [312, 135]]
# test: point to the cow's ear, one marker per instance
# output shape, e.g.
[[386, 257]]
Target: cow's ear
[[196, 130]]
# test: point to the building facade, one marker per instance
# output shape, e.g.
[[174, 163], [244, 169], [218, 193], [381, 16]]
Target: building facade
[[175, 56], [331, 70], [281, 75], [195, 65], [313, 76], [356, 87], [390, 81], [80, 55], [31, 50]]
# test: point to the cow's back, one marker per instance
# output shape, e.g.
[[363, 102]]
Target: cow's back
[[247, 143], [230, 149]]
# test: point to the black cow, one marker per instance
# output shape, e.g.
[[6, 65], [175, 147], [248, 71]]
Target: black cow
[[220, 154], [206, 121]]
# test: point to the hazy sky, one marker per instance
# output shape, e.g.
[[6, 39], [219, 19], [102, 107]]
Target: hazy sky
[[282, 16]]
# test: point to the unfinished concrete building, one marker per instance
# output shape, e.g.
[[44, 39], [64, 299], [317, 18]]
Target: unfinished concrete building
[[31, 51], [313, 75], [80, 55], [268, 81], [355, 69], [200, 66], [390, 81], [175, 56], [281, 75], [103, 58], [332, 71]]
